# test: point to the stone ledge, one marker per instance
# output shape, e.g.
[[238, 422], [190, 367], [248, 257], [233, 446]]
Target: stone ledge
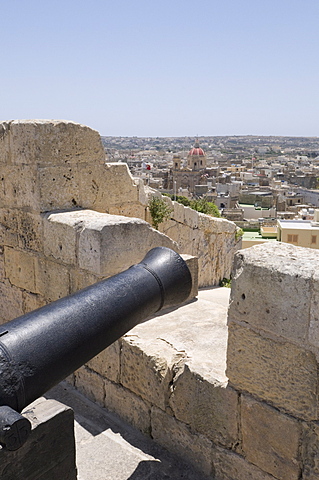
[[157, 370], [49, 452]]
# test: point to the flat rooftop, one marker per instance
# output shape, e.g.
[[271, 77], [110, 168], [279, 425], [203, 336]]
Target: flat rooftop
[[298, 225]]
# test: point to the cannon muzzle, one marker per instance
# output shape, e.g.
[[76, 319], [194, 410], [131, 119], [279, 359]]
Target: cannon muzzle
[[43, 347]]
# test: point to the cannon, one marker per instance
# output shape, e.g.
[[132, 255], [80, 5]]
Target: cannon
[[43, 347]]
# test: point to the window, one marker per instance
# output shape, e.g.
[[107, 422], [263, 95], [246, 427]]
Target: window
[[313, 239], [292, 238]]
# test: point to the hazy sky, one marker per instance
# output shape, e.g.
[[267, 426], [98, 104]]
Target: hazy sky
[[165, 67]]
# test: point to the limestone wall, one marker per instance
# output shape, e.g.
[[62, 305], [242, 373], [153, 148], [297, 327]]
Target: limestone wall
[[260, 423], [53, 165], [211, 239], [54, 236], [273, 353]]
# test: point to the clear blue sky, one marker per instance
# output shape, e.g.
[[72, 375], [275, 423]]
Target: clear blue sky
[[163, 68]]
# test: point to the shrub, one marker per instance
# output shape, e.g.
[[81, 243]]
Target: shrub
[[159, 211]]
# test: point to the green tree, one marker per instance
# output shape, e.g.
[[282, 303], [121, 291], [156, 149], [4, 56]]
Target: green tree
[[203, 206], [159, 210]]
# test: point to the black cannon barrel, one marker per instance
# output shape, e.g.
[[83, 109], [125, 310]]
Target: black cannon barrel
[[43, 347]]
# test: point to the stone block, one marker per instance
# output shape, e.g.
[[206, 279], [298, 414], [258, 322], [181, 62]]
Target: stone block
[[58, 187], [32, 301], [228, 465], [11, 305], [54, 142], [179, 212], [313, 337], [60, 237], [52, 280], [128, 406], [3, 200], [103, 186], [176, 437], [21, 187], [190, 217], [80, 279], [192, 263], [310, 451], [270, 289], [278, 372], [9, 227], [206, 224], [107, 363], [30, 231], [2, 271], [20, 268], [19, 228], [207, 274], [147, 368], [4, 143], [49, 452], [90, 384], [172, 230], [94, 187], [208, 408], [109, 244], [270, 439], [128, 210], [142, 191]]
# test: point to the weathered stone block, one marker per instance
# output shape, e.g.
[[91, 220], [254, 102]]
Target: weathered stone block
[[30, 231], [313, 337], [80, 279], [147, 368], [11, 305], [19, 228], [53, 142], [191, 217], [60, 237], [192, 263], [4, 143], [270, 439], [108, 244], [179, 212], [58, 187], [94, 187], [20, 268], [280, 298], [32, 301], [209, 409], [103, 186], [3, 200], [20, 187], [2, 271], [107, 363], [128, 210], [90, 384], [310, 451], [128, 406], [228, 465], [176, 437], [49, 453], [52, 280], [280, 373]]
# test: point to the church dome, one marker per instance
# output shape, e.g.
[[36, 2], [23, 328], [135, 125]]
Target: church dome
[[196, 150]]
